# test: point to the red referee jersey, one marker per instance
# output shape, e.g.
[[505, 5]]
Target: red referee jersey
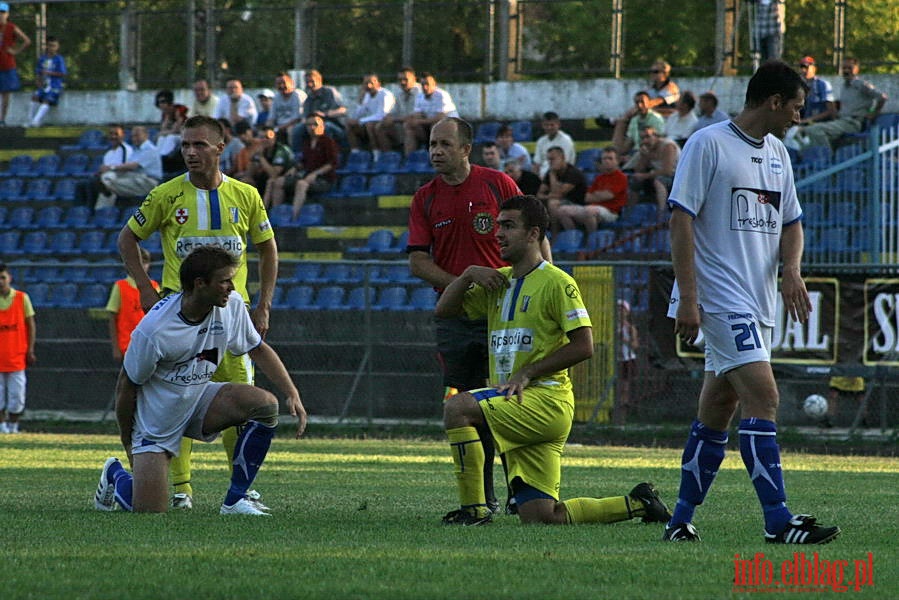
[[456, 224]]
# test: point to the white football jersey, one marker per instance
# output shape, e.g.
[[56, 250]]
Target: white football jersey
[[741, 194], [172, 359]]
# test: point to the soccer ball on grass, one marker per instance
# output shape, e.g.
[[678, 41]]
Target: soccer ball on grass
[[815, 406]]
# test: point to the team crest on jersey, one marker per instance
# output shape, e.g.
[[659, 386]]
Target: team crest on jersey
[[776, 165], [483, 223], [571, 290], [181, 216]]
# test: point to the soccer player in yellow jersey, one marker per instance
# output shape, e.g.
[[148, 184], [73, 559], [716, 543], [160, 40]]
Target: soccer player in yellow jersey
[[537, 328], [204, 207]]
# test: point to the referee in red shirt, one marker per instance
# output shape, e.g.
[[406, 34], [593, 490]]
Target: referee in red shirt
[[452, 224]]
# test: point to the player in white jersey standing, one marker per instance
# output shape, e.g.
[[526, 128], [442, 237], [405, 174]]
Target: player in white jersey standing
[[735, 216], [165, 390]]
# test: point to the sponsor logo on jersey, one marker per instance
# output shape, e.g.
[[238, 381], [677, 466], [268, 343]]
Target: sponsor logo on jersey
[[576, 314], [140, 217], [483, 223], [442, 224], [518, 339], [264, 226], [196, 370], [230, 243], [755, 210], [214, 328], [775, 165], [181, 216]]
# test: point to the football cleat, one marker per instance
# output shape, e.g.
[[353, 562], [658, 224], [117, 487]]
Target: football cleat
[[803, 529], [104, 498], [493, 506], [511, 506], [182, 502], [256, 498], [242, 507], [655, 510], [466, 519], [682, 532]]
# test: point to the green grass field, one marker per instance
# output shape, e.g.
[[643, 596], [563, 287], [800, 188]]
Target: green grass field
[[361, 519]]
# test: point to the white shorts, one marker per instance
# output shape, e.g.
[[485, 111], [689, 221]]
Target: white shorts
[[733, 340], [12, 392], [193, 429]]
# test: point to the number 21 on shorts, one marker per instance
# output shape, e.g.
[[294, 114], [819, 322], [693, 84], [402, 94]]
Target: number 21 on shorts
[[747, 337]]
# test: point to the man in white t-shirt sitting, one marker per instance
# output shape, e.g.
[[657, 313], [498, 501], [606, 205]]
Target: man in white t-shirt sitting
[[432, 105]]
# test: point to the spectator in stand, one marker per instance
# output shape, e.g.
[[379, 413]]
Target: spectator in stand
[[314, 174], [626, 135], [266, 98], [490, 156], [237, 105], [91, 192], [663, 92], [375, 102], [124, 309], [432, 105], [769, 28], [819, 104], [205, 101], [679, 125], [270, 160], [49, 73], [12, 41], [326, 102], [233, 146], [604, 199], [135, 177], [860, 104], [17, 336], [563, 185], [391, 130], [509, 148], [168, 141], [653, 168], [527, 181], [287, 108], [249, 145], [709, 113], [553, 136]]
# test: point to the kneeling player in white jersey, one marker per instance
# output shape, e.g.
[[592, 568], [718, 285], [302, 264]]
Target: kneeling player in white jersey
[[735, 215], [165, 390], [538, 327]]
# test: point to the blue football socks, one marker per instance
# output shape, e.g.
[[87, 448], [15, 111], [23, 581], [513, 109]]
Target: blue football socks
[[702, 456], [761, 455], [249, 454], [122, 480]]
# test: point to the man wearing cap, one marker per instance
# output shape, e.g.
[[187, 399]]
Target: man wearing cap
[[860, 103], [12, 41], [266, 97], [819, 104]]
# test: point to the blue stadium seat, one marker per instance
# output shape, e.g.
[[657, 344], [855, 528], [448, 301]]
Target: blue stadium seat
[[600, 239], [64, 295], [358, 161], [92, 296], [299, 297], [392, 298], [419, 161], [401, 242], [398, 273], [277, 297], [382, 185], [522, 131], [108, 273], [378, 241], [75, 165], [111, 243], [19, 166], [50, 217], [341, 273], [91, 139], [39, 293], [306, 272], [64, 190], [356, 298], [21, 217], [9, 243], [388, 162], [106, 217], [423, 299], [46, 166], [350, 186], [11, 189], [568, 241], [153, 244], [311, 214], [817, 156], [635, 216], [63, 242], [282, 216], [35, 242], [92, 242], [843, 213], [330, 298], [79, 275], [46, 274], [586, 159], [486, 132], [39, 189], [3, 212]]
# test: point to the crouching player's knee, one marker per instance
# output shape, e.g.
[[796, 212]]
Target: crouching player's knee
[[265, 410]]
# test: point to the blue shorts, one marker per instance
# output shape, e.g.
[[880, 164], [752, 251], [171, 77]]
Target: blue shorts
[[9, 81], [50, 97]]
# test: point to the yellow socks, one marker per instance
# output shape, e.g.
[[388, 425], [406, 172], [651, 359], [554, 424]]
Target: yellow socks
[[468, 457], [180, 468], [602, 510]]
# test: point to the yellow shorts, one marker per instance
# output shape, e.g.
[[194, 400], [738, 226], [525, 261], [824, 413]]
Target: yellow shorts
[[532, 434], [235, 369]]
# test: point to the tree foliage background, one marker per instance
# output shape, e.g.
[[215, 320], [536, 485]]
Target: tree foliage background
[[566, 39]]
